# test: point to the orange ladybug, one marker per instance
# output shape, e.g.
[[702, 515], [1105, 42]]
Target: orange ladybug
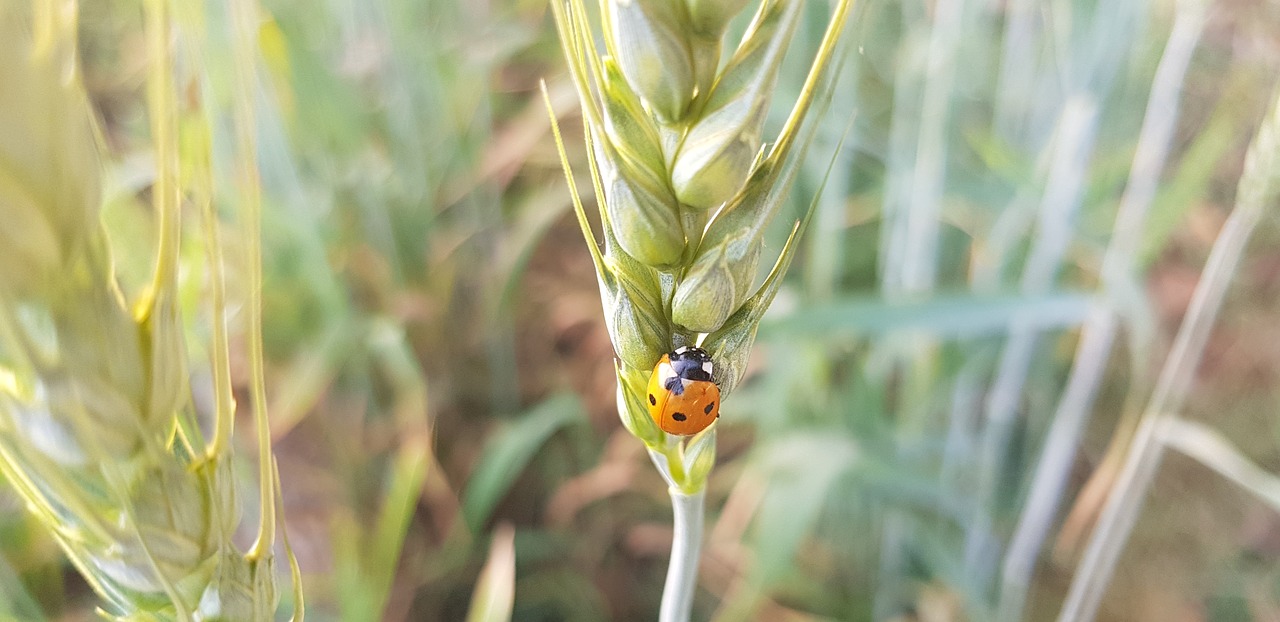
[[683, 399]]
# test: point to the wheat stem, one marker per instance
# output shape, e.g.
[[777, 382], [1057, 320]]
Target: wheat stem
[[686, 544]]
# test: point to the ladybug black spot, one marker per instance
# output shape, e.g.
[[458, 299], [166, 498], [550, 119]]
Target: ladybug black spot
[[653, 401], [707, 410], [678, 416]]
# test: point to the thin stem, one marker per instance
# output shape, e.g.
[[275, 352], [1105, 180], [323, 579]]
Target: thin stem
[[1257, 189], [1073, 146], [1099, 331], [686, 546], [923, 215], [1022, 30]]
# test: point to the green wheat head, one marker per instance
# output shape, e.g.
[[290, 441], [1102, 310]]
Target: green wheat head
[[686, 184], [97, 433]]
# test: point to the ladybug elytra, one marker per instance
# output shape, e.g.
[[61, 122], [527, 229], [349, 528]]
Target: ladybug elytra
[[683, 398]]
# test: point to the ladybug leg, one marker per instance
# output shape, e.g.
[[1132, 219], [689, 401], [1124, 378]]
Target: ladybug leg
[[675, 385]]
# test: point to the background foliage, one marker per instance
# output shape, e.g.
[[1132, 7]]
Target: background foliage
[[440, 378]]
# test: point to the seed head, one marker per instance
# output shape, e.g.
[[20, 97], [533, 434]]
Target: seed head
[[716, 156], [631, 132], [649, 39], [709, 18], [717, 283], [643, 214], [724, 266], [671, 137], [633, 305], [96, 430], [718, 152]]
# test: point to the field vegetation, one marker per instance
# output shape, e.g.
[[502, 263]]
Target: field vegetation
[[321, 258]]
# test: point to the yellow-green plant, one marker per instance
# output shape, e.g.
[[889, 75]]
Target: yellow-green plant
[[97, 430], [686, 185]]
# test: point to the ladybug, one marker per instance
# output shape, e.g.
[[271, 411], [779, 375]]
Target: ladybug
[[683, 399]]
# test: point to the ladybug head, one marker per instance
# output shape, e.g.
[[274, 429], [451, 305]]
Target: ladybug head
[[691, 363]]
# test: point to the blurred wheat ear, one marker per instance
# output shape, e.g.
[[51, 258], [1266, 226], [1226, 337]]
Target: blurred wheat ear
[[97, 432]]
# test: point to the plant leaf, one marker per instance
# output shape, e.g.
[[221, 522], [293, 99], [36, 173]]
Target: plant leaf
[[509, 451], [947, 315]]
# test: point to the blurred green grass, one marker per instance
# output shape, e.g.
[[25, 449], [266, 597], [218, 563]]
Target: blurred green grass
[[434, 338]]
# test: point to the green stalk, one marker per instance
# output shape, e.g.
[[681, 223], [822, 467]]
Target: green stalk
[[686, 546]]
